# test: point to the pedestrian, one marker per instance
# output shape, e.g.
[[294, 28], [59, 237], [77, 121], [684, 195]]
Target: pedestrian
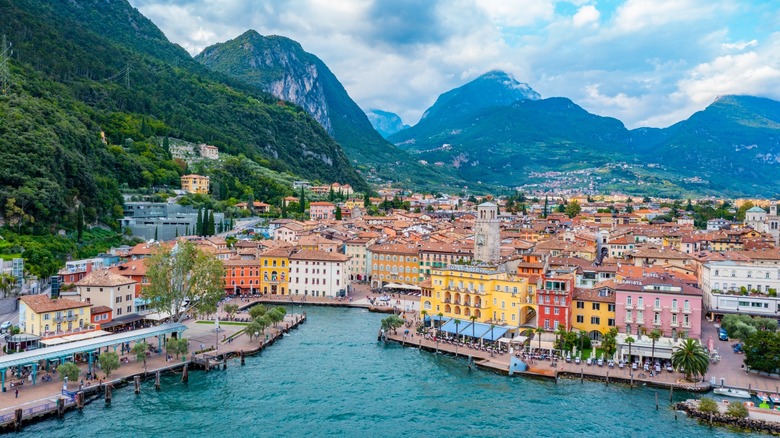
[[16, 392]]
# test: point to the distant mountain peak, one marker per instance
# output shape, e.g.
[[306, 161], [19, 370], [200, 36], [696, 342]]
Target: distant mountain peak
[[494, 88], [385, 122]]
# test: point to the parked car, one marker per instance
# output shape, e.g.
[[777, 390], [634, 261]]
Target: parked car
[[5, 326], [737, 348], [722, 335]]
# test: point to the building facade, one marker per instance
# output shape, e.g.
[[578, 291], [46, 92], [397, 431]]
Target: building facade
[[319, 274], [42, 316], [487, 233], [195, 183]]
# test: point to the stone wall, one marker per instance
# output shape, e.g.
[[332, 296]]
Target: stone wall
[[8, 305], [690, 408]]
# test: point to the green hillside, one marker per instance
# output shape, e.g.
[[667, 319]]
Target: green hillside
[[87, 66], [280, 66]]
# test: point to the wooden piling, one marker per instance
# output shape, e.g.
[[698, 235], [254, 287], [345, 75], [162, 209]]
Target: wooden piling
[[607, 378], [18, 419], [157, 380], [582, 375], [137, 382], [60, 407], [656, 399], [632, 379], [224, 364], [80, 399], [108, 393], [671, 392], [184, 375], [243, 361]]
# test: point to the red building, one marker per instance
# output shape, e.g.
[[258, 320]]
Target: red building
[[554, 300]]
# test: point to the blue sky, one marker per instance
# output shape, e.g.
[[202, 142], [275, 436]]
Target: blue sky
[[645, 62]]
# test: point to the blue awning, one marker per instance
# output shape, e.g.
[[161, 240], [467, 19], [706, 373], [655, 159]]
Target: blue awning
[[435, 318], [497, 332]]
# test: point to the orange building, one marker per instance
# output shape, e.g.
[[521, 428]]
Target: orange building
[[242, 276]]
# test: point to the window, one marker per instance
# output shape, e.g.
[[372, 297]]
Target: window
[[595, 320], [580, 319], [640, 302], [580, 304], [611, 307], [687, 306], [674, 305], [657, 303], [611, 322], [556, 311], [596, 306], [629, 302], [546, 310]]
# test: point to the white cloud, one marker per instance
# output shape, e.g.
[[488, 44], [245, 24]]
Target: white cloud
[[515, 13], [586, 15], [636, 15], [740, 45]]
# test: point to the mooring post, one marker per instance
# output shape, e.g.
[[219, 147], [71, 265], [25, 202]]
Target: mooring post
[[224, 363], [656, 399], [60, 407], [632, 379], [18, 419], [243, 362], [157, 380], [137, 382], [184, 376], [582, 375], [80, 399], [607, 378], [671, 392], [108, 393]]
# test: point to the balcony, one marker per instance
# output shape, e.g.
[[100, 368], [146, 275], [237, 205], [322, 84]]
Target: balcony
[[675, 309], [687, 311], [686, 325], [59, 319], [628, 320], [657, 323], [657, 309], [71, 318], [674, 324], [629, 306], [447, 301], [640, 321]]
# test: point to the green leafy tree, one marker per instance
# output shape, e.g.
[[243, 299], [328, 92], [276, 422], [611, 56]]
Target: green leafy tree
[[139, 350], [573, 208], [609, 342], [199, 223], [338, 213], [257, 311], [184, 276], [708, 406], [109, 362], [80, 223], [7, 283], [231, 310], [211, 227], [302, 206], [762, 351], [69, 370], [691, 358]]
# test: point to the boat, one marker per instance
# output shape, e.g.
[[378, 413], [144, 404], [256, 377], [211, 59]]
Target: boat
[[775, 398], [736, 393], [764, 397]]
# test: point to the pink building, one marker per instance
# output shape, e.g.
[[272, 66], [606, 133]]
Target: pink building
[[658, 302], [322, 210]]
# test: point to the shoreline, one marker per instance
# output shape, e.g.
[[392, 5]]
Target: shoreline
[[59, 404]]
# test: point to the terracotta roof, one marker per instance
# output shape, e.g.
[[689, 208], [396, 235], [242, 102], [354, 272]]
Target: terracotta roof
[[319, 256], [593, 294], [101, 309], [133, 267], [42, 303], [105, 278], [282, 251]]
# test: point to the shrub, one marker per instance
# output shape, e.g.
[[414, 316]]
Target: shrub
[[737, 410], [708, 405]]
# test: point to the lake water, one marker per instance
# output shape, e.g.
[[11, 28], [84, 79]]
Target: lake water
[[330, 377]]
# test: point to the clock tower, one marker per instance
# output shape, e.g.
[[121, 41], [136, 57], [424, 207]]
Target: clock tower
[[487, 235]]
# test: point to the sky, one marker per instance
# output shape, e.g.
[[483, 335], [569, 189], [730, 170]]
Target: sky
[[644, 62]]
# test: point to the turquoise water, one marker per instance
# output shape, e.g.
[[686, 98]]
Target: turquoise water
[[330, 377]]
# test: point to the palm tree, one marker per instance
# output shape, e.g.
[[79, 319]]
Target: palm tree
[[424, 313], [473, 319], [630, 341], [582, 335], [538, 332], [691, 358], [457, 323], [654, 336], [491, 331], [559, 336]]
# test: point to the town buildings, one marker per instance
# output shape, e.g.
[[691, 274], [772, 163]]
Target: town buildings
[[319, 274], [195, 183], [42, 316]]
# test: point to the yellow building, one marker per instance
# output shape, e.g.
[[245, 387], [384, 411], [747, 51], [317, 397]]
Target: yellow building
[[40, 315], [393, 263], [275, 271], [488, 295], [195, 183], [593, 311]]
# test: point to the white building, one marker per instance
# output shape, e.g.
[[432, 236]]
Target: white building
[[105, 288], [357, 250], [722, 284], [319, 274], [208, 151]]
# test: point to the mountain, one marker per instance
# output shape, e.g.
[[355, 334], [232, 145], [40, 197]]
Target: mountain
[[280, 66], [385, 123], [496, 131], [734, 144], [94, 83]]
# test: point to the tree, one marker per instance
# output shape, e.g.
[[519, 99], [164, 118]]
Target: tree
[[199, 224], [338, 213], [544, 215], [708, 406], [762, 351], [139, 350], [654, 335], [183, 276], [608, 342], [15, 214], [182, 346], [424, 313], [210, 229], [155, 234], [7, 283], [473, 319], [366, 199], [392, 322], [302, 207], [231, 310], [737, 410], [573, 208], [109, 362], [257, 311], [80, 223], [538, 333], [254, 328], [691, 358], [630, 341], [275, 315], [69, 370]]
